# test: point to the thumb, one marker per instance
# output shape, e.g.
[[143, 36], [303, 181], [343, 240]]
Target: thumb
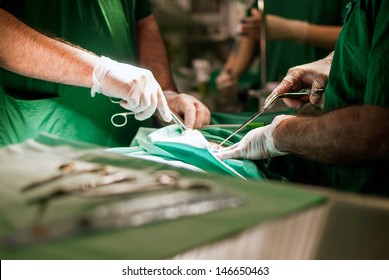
[[318, 88], [163, 107]]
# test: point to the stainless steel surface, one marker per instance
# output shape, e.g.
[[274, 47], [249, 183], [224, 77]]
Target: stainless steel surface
[[348, 227]]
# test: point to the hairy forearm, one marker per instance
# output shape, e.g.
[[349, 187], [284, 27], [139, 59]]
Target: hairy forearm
[[152, 52], [30, 53], [353, 135], [324, 37]]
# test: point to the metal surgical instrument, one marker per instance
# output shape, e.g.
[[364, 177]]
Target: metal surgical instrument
[[129, 213], [65, 170], [266, 106], [124, 115], [162, 180], [176, 120]]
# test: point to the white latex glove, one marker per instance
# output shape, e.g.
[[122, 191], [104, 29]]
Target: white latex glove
[[313, 75], [136, 87], [257, 144], [277, 28]]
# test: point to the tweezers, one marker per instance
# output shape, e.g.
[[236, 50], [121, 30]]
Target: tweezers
[[266, 106]]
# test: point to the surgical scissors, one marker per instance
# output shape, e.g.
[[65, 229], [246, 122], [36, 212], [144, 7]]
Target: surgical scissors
[[266, 106], [124, 115]]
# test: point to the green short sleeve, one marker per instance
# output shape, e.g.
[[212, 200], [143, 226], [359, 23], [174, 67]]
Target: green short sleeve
[[360, 66], [378, 70]]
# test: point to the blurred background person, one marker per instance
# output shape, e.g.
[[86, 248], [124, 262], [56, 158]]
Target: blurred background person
[[297, 32]]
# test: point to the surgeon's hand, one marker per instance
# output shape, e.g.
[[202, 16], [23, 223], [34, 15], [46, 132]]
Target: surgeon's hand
[[313, 75], [277, 28], [257, 144], [226, 82], [136, 87], [193, 111]]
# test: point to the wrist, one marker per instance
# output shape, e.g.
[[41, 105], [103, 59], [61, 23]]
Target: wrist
[[169, 93], [102, 66], [298, 30], [273, 135]]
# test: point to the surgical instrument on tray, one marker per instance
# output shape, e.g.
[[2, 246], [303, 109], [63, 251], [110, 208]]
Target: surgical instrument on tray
[[65, 170], [121, 183], [162, 180], [130, 213], [266, 106]]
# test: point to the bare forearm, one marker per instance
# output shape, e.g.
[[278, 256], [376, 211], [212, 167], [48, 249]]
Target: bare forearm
[[357, 134], [152, 52], [30, 53], [324, 37], [244, 56]]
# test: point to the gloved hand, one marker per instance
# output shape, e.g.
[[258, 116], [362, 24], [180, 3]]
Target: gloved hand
[[313, 75], [136, 87], [195, 113], [257, 144], [277, 28]]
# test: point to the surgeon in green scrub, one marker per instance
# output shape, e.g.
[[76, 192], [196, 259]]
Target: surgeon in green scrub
[[46, 83], [347, 147], [297, 32]]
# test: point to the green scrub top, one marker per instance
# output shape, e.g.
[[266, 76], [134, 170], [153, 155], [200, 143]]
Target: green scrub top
[[28, 106], [284, 54], [358, 76]]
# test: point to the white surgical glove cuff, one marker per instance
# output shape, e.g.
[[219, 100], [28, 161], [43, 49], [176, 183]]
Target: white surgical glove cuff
[[269, 140], [100, 70]]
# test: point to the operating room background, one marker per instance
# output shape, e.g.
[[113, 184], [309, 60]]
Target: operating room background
[[199, 35]]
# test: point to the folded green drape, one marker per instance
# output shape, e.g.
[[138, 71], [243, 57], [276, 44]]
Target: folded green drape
[[192, 148]]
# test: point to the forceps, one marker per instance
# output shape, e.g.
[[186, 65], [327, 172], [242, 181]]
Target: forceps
[[266, 106]]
